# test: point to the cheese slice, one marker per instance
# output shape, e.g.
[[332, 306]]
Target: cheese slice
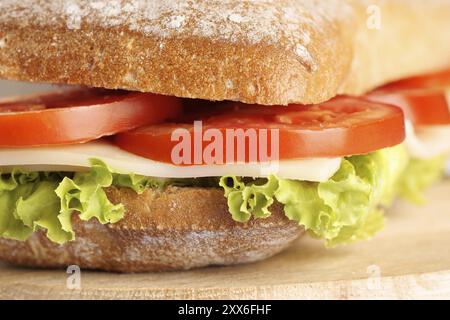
[[76, 158], [426, 142]]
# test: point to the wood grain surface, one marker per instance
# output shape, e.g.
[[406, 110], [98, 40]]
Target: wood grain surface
[[409, 259]]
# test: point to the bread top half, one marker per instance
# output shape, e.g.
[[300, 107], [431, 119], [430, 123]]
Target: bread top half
[[271, 52]]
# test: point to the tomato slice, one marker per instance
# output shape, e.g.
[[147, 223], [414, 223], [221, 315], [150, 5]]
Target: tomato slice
[[343, 126], [421, 107], [80, 115], [425, 99], [435, 81]]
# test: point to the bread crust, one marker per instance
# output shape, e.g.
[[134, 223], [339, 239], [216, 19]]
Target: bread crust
[[172, 229], [289, 63], [271, 52]]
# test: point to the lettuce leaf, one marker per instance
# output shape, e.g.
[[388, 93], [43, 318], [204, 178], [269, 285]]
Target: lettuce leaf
[[418, 176], [341, 210], [393, 163], [30, 201]]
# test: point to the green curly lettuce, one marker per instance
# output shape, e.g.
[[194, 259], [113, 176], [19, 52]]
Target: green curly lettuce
[[393, 162], [418, 176], [341, 210], [30, 201]]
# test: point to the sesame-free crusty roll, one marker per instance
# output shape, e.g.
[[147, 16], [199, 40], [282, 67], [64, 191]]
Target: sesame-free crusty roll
[[268, 52]]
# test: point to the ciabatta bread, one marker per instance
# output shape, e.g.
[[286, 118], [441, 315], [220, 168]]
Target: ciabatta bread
[[267, 52], [177, 228]]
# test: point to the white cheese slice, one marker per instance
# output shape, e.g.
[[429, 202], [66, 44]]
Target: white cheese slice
[[76, 158], [426, 142]]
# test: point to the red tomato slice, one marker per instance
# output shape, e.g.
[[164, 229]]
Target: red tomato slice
[[439, 80], [424, 99], [341, 127], [421, 107], [77, 116]]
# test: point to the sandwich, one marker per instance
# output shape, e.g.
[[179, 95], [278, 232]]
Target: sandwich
[[198, 133], [425, 101]]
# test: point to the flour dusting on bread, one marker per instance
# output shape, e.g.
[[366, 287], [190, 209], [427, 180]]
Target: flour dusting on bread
[[287, 22], [271, 52]]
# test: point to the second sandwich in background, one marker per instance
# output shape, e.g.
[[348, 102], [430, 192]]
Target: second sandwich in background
[[425, 101]]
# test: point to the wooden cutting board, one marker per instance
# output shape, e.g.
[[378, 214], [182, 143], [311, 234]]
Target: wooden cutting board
[[409, 259]]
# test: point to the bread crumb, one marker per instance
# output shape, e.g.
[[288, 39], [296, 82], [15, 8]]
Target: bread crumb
[[130, 78], [235, 18], [97, 5], [251, 89], [176, 22], [74, 15]]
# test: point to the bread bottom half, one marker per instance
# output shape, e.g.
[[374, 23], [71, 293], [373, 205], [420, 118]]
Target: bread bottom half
[[172, 229]]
